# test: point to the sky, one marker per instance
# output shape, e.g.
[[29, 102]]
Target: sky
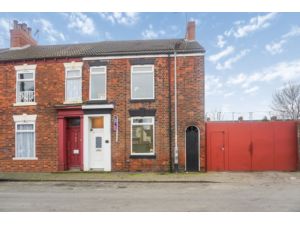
[[248, 55]]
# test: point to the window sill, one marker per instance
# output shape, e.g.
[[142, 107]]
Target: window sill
[[142, 156], [19, 158], [24, 103], [142, 100]]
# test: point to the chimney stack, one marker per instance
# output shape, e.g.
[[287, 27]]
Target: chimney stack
[[191, 31], [20, 35]]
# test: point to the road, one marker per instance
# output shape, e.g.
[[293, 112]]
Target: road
[[116, 196]]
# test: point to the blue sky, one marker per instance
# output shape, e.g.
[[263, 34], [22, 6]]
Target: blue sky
[[249, 55]]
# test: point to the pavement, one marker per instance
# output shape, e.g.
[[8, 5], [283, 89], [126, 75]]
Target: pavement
[[182, 177], [265, 191]]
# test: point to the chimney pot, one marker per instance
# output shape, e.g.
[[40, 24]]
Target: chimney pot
[[15, 24], [191, 31], [24, 26]]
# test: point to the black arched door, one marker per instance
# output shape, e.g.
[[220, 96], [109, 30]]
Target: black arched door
[[192, 149]]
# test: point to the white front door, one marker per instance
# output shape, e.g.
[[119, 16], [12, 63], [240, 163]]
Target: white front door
[[98, 146], [97, 149]]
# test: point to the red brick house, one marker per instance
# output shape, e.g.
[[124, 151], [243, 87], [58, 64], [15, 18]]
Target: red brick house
[[111, 105]]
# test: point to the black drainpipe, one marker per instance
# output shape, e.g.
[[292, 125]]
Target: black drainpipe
[[170, 115]]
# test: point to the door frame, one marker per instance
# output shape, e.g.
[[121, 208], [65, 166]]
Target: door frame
[[63, 113], [86, 142], [199, 157]]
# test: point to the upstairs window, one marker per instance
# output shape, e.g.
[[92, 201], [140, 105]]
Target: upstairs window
[[142, 82], [73, 82], [25, 87], [98, 83]]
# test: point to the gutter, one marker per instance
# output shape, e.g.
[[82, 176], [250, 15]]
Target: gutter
[[176, 168]]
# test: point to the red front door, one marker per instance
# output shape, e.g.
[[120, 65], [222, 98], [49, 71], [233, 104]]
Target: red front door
[[73, 144]]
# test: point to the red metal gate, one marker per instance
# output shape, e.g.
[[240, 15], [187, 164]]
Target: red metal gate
[[251, 146]]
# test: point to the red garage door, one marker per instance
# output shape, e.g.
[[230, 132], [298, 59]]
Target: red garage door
[[251, 146]]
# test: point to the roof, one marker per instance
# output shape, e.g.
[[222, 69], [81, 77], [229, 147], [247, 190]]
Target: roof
[[104, 48], [3, 49]]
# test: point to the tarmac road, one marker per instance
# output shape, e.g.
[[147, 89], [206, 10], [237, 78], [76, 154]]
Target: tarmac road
[[279, 195]]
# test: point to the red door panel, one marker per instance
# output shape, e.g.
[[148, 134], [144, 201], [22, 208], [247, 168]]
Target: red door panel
[[73, 146], [285, 146], [262, 147], [239, 147], [217, 145]]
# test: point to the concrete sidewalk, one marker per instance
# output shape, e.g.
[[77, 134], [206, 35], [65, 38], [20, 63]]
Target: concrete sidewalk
[[210, 177]]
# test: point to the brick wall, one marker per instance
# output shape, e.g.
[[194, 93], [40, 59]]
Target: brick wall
[[190, 105], [50, 76], [49, 79]]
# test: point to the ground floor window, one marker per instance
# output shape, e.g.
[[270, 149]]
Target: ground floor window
[[25, 140], [142, 135]]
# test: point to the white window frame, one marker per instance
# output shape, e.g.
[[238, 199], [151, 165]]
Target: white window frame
[[70, 67], [95, 74], [141, 66], [25, 69], [22, 120], [132, 124]]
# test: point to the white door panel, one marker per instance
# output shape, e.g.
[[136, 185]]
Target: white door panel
[[97, 149]]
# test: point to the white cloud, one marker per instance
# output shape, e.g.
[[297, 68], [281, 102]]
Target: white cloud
[[237, 79], [226, 108], [238, 22], [221, 42], [295, 31], [228, 94], [4, 31], [213, 85], [150, 33], [48, 30], [215, 58], [2, 43], [251, 90], [254, 24], [4, 25], [242, 28], [123, 18], [229, 62], [107, 35], [285, 71], [81, 22], [275, 47]]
